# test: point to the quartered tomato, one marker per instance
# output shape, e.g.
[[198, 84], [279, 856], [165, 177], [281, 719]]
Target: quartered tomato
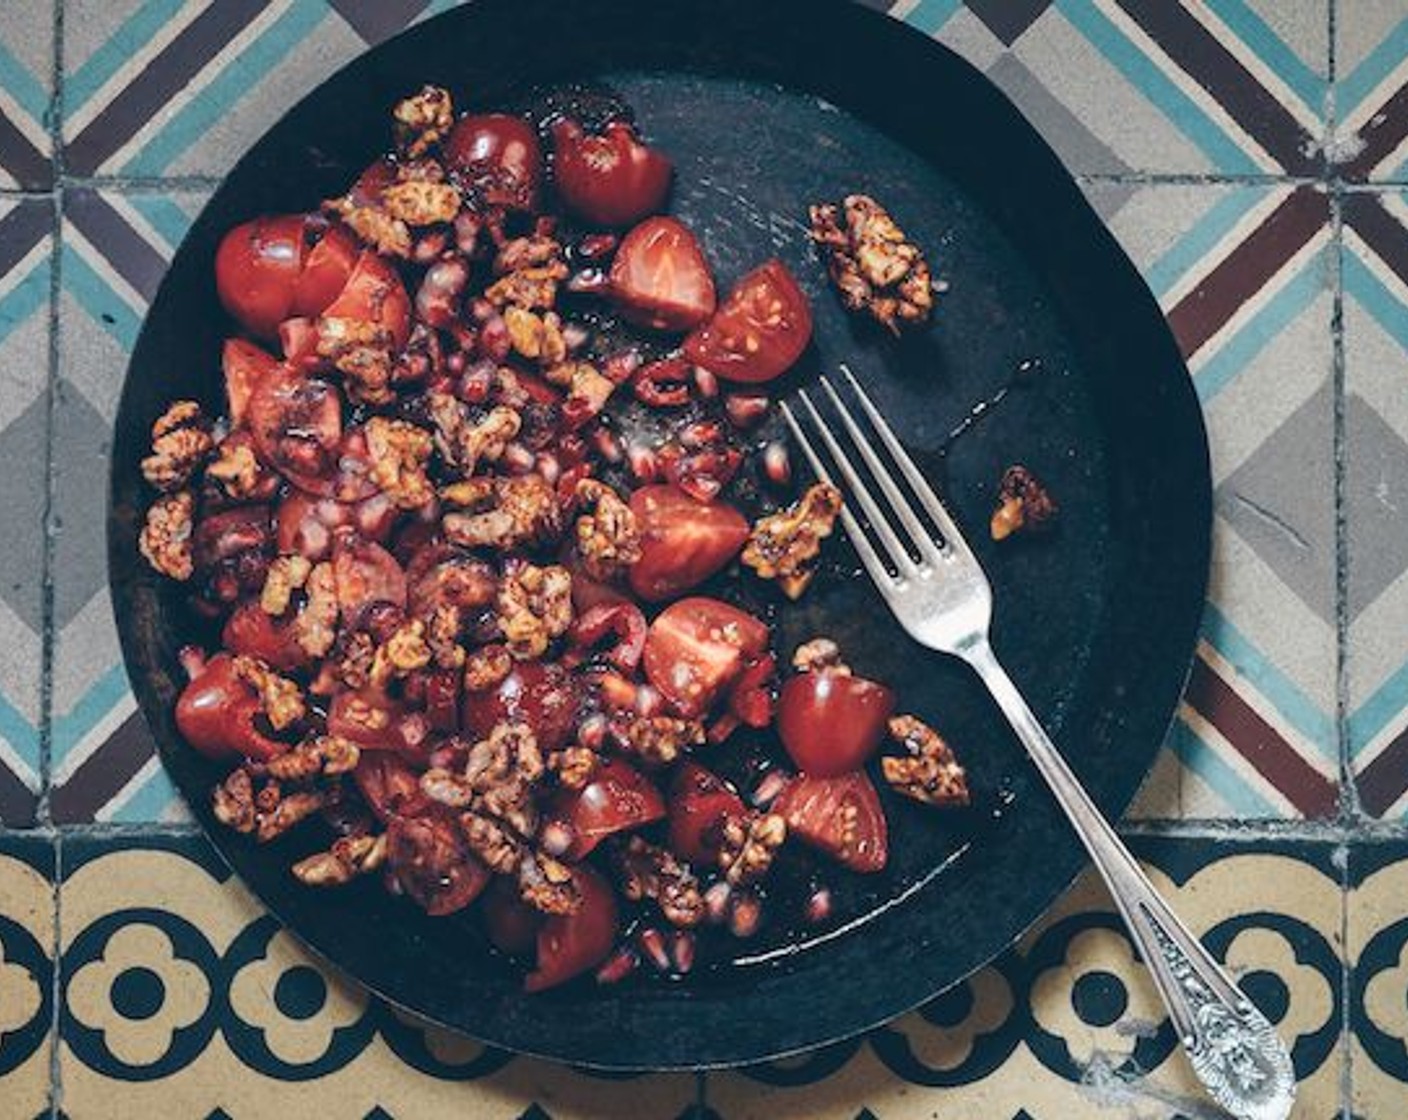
[[216, 714], [296, 422], [759, 331], [374, 294], [696, 648], [660, 278], [275, 267], [571, 944], [252, 632], [700, 801], [441, 575], [389, 786], [431, 863], [832, 722], [683, 541], [512, 925], [498, 158], [245, 366], [365, 573], [378, 723], [617, 798], [840, 816], [608, 180], [539, 693]]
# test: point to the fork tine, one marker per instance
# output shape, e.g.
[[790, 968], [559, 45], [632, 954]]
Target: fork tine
[[953, 536], [899, 556], [928, 549], [869, 557]]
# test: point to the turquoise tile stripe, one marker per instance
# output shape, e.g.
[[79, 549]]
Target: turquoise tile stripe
[[1373, 296], [1207, 763], [1355, 86], [1193, 247], [150, 802], [1247, 25], [28, 92], [71, 726], [168, 219], [20, 734], [930, 15], [95, 296], [25, 298], [98, 68]]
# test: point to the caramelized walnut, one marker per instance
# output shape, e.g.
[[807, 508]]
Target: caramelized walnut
[[423, 120], [348, 857], [536, 337], [442, 636], [872, 264], [574, 766], [420, 202], [546, 884], [523, 511], [486, 667], [608, 539], [1022, 504], [819, 653], [181, 442], [534, 606], [464, 442], [233, 801], [315, 627], [236, 470], [658, 740], [361, 351], [651, 872], [497, 847], [286, 575], [403, 653], [165, 541], [399, 452], [280, 699], [389, 236], [930, 773], [784, 545], [320, 755], [749, 845]]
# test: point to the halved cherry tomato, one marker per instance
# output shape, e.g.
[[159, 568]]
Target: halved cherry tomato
[[608, 180], [389, 786], [296, 422], [440, 575], [571, 944], [683, 542], [432, 864], [841, 816], [374, 294], [750, 700], [696, 648], [216, 714], [365, 573], [539, 693], [616, 799], [759, 331], [376, 722], [498, 158], [699, 803], [245, 366], [831, 722], [621, 622], [442, 699], [660, 278], [250, 631], [275, 267], [512, 925], [223, 537]]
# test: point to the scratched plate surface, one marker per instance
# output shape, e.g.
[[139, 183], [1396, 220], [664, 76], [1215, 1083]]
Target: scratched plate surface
[[1095, 622]]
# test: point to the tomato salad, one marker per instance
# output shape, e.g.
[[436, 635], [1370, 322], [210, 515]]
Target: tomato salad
[[459, 619]]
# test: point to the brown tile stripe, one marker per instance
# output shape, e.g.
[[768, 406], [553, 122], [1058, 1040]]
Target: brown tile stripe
[[105, 771], [122, 246], [30, 167], [375, 20], [1381, 231], [1194, 48], [160, 80], [1259, 743], [1202, 312], [17, 801], [1383, 133], [1383, 781], [21, 229]]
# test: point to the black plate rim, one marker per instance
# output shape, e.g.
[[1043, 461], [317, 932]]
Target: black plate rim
[[1196, 518]]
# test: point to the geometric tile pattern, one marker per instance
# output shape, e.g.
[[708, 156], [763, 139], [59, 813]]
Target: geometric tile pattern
[[1252, 158]]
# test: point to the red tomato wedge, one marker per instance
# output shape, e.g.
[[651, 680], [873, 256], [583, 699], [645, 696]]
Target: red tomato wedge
[[660, 278], [365, 573], [374, 294], [541, 694], [608, 180], [245, 366], [250, 631], [696, 647], [389, 786], [759, 331], [432, 864], [278, 266], [840, 816], [700, 801], [216, 714], [683, 541], [618, 798], [296, 423], [571, 944], [512, 925], [830, 722]]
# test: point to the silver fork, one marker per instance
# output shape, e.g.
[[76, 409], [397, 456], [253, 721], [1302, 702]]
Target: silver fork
[[944, 601]]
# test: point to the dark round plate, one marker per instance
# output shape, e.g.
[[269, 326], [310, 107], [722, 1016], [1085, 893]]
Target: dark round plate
[[766, 107]]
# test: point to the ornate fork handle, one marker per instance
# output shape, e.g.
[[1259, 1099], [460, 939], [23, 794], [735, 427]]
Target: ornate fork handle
[[1234, 1050]]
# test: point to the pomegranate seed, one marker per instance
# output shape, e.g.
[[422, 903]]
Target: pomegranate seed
[[652, 944], [455, 363], [746, 409], [777, 464], [682, 951], [722, 728], [589, 280], [556, 837], [648, 700], [645, 467], [716, 900], [745, 915], [517, 459], [705, 383], [819, 906], [477, 383], [702, 433], [592, 732], [619, 367], [596, 245], [548, 466], [607, 445], [494, 339], [481, 309], [618, 966], [575, 336], [767, 790], [429, 246], [467, 227]]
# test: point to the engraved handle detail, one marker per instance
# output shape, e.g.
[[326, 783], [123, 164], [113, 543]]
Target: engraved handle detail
[[1235, 1052]]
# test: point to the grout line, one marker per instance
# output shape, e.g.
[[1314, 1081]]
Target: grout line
[[1193, 178], [56, 1091], [98, 830], [141, 182]]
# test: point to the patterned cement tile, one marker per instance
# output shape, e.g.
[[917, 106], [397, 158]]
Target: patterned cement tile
[[26, 94], [26, 248], [1069, 1024], [181, 996], [1377, 944], [115, 248], [26, 974], [1371, 92], [1376, 418]]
